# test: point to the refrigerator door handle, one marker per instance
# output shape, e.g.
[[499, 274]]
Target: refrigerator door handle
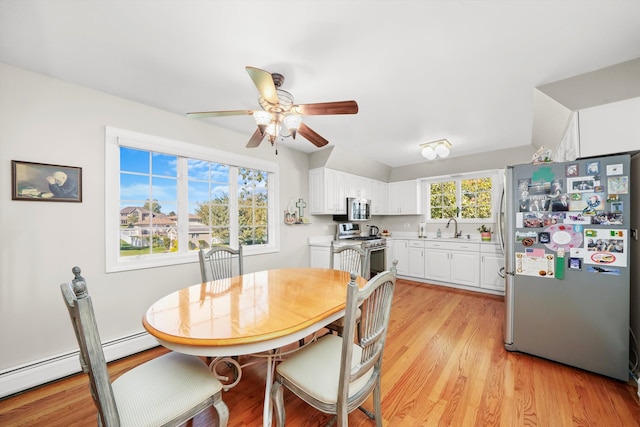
[[501, 214]]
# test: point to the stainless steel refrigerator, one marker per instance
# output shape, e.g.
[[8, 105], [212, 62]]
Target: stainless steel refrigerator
[[566, 242]]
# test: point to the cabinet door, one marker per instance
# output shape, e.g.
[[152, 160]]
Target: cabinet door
[[436, 265], [401, 253], [379, 198], [416, 262], [490, 266], [316, 191], [465, 268], [404, 198], [336, 199], [319, 256]]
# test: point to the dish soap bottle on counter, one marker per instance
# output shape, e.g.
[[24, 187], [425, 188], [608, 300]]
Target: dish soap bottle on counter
[[439, 233]]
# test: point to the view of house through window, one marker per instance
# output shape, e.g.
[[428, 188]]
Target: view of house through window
[[171, 205]]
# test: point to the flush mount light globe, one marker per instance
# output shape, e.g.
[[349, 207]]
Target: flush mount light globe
[[429, 153], [442, 150]]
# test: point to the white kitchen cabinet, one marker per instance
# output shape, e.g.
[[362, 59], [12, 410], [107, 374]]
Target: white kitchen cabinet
[[465, 268], [398, 250], [453, 262], [491, 262], [379, 196], [610, 128], [416, 258], [327, 191], [319, 256], [404, 198]]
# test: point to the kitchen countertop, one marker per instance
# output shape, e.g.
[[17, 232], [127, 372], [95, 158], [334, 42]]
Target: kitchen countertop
[[326, 240]]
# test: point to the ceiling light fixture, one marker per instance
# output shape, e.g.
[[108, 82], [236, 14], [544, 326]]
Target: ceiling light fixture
[[271, 124], [431, 150]]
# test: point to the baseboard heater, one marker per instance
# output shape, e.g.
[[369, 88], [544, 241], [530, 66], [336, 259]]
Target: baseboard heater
[[33, 374]]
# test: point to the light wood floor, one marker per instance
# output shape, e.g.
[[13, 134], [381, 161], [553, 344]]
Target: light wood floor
[[444, 365]]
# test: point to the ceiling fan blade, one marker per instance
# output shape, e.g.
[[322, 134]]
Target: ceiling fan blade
[[325, 108], [264, 82], [312, 136], [255, 140], [203, 114]]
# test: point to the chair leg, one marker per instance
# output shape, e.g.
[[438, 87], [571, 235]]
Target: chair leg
[[277, 399], [377, 398], [221, 409]]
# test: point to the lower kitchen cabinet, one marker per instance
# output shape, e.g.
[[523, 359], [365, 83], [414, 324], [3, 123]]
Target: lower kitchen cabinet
[[319, 256], [398, 250], [416, 258], [491, 263], [453, 262], [458, 263], [464, 268]]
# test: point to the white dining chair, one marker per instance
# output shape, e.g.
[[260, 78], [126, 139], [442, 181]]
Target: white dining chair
[[351, 258], [220, 262], [335, 374], [166, 391]]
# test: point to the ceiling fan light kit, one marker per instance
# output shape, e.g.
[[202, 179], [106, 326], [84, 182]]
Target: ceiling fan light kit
[[432, 150], [279, 113]]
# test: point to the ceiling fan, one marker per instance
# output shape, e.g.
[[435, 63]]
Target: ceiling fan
[[279, 116]]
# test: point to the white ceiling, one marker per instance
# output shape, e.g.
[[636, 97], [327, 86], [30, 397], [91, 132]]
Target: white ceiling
[[419, 70]]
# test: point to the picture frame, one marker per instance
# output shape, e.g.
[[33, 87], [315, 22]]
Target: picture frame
[[45, 182], [593, 168], [571, 169]]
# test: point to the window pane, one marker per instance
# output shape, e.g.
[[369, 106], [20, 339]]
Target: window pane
[[208, 204], [476, 198], [443, 199], [134, 160], [252, 206], [164, 165], [134, 187]]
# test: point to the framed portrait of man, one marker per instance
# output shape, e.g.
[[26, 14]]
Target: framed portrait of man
[[45, 182]]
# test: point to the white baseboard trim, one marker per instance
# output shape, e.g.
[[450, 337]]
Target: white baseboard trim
[[23, 377]]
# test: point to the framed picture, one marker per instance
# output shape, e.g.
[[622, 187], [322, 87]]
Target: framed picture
[[593, 168], [571, 169], [45, 182]]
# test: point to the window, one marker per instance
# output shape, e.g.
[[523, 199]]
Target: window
[[167, 199], [467, 197]]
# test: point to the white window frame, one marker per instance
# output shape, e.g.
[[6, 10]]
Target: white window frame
[[115, 137], [496, 176]]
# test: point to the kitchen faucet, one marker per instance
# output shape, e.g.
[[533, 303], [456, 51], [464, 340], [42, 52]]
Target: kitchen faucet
[[456, 234]]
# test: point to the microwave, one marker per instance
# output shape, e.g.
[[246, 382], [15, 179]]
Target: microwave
[[358, 209]]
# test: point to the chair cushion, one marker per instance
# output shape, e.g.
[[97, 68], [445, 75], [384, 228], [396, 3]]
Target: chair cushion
[[157, 391], [316, 369]]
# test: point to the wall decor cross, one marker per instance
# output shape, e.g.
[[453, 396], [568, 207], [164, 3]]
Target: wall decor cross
[[301, 205]]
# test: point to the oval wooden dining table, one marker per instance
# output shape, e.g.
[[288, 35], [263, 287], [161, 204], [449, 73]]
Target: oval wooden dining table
[[249, 314]]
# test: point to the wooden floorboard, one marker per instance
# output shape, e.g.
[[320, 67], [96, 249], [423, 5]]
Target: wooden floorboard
[[444, 365]]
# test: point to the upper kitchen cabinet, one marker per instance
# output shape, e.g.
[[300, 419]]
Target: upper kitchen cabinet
[[610, 128], [329, 189], [327, 192], [404, 198], [379, 196]]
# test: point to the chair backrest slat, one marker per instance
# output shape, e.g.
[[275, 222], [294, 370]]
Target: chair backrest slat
[[92, 358]]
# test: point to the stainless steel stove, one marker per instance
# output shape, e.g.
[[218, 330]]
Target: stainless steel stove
[[350, 233]]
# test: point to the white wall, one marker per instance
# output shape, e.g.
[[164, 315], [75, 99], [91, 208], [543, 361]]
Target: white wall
[[49, 121]]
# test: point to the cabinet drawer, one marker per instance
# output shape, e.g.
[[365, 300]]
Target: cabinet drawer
[[490, 249], [416, 244], [453, 246]]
